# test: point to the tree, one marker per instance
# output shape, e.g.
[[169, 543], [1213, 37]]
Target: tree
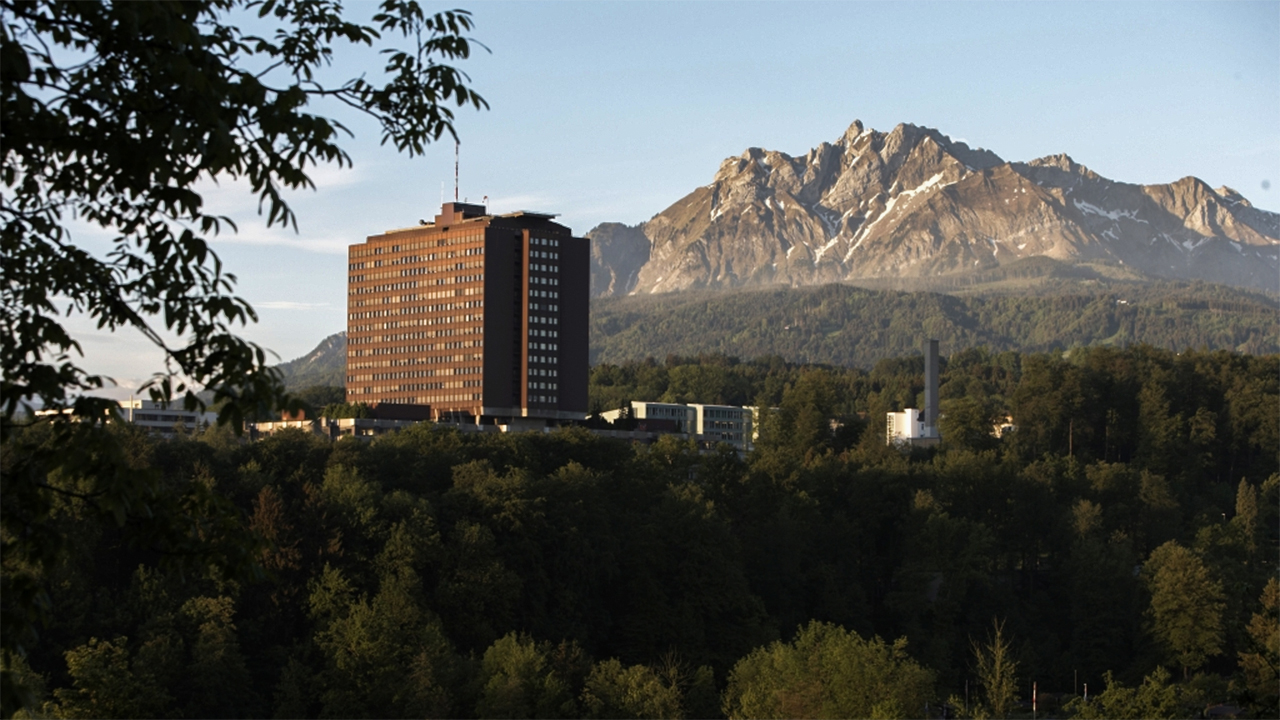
[[1186, 605], [1262, 667], [997, 671], [616, 691], [112, 113], [517, 680], [1155, 698], [828, 672], [106, 686]]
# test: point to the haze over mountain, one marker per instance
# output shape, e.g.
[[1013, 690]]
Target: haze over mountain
[[913, 203]]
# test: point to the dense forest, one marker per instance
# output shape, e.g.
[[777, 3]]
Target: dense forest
[[851, 326], [1124, 536]]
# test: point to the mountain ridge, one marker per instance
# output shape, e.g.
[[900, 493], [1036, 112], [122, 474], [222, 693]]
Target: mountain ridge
[[324, 365], [913, 203]]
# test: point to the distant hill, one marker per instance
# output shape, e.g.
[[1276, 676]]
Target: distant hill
[[1034, 306], [325, 365], [913, 204], [851, 326]]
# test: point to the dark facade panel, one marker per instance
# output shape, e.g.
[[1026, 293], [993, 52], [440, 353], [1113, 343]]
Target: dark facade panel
[[575, 323]]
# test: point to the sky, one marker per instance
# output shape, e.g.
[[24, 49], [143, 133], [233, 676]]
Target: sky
[[611, 111]]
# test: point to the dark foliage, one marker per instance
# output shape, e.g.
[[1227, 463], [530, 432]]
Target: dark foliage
[[440, 574]]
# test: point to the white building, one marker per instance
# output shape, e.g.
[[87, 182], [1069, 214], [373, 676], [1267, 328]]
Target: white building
[[708, 424], [164, 418], [725, 424], [908, 428]]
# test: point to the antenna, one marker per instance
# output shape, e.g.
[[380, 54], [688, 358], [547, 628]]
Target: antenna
[[457, 150]]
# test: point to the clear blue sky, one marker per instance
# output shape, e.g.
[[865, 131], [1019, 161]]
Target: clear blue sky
[[611, 111]]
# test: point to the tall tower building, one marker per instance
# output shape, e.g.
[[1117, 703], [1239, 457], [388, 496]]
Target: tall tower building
[[482, 317]]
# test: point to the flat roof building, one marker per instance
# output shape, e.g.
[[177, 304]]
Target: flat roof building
[[708, 424], [161, 418], [482, 317]]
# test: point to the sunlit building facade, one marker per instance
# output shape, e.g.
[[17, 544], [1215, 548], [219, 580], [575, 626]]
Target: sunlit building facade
[[481, 317]]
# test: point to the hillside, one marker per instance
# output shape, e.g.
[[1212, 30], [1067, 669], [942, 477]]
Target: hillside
[[845, 325], [1032, 306], [325, 365], [912, 204]]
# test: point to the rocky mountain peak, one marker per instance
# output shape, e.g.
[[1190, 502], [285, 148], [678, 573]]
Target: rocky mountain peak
[[913, 202], [1232, 196], [851, 135]]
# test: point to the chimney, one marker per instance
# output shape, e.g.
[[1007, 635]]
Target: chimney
[[931, 388]]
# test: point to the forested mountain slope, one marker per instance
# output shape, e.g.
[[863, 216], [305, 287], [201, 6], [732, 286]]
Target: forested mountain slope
[[846, 325], [326, 365]]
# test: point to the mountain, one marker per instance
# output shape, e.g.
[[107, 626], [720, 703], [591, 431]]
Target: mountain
[[914, 204], [841, 324], [325, 365]]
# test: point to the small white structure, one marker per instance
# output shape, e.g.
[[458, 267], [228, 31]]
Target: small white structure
[[1003, 427], [907, 428], [164, 418]]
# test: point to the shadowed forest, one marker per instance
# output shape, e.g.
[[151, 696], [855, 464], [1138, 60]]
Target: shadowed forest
[[1125, 535]]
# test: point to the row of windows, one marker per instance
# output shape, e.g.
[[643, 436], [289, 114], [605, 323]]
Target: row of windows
[[411, 259], [543, 346], [437, 399], [402, 349], [542, 386], [551, 294], [544, 307], [395, 337], [431, 270], [443, 332], [412, 323], [164, 417], [546, 399], [535, 332], [537, 280], [541, 372], [544, 268], [542, 359], [727, 437], [392, 324], [438, 385], [429, 360], [403, 374], [466, 239], [545, 242], [542, 320], [544, 254], [410, 310], [406, 387], [410, 297], [383, 288], [430, 295]]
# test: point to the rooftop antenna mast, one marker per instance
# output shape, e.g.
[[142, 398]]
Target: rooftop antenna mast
[[457, 150]]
